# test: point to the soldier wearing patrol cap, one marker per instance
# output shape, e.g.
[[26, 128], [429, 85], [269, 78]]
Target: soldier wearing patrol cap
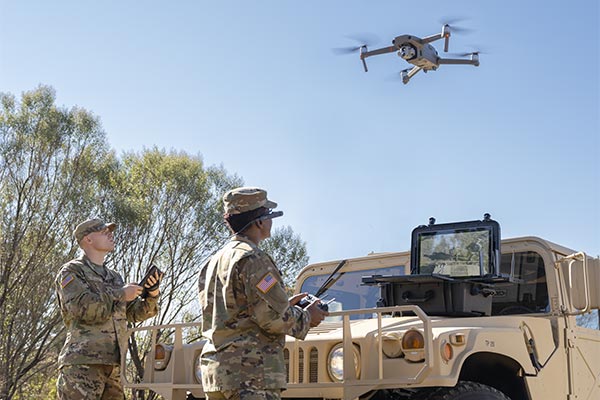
[[95, 305], [245, 310]]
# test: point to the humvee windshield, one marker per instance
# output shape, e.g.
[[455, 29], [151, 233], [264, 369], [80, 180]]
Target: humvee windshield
[[348, 291], [528, 295]]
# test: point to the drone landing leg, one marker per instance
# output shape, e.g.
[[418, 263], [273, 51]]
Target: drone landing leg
[[410, 74]]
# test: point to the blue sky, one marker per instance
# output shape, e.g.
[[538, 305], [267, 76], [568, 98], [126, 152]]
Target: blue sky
[[356, 160]]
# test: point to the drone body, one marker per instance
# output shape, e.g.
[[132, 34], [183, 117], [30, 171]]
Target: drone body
[[420, 53]]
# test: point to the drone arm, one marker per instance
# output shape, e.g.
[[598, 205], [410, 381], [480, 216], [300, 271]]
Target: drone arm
[[432, 38], [376, 52], [473, 61], [364, 53]]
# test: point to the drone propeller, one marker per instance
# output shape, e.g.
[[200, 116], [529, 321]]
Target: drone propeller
[[449, 26], [475, 51], [364, 40], [347, 50], [464, 54], [451, 22], [459, 29]]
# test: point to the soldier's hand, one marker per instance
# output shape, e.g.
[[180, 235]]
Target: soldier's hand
[[296, 298], [132, 291], [317, 315], [152, 280]]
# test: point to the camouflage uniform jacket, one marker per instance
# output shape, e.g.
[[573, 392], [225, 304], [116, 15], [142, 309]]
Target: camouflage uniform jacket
[[245, 317], [91, 302]]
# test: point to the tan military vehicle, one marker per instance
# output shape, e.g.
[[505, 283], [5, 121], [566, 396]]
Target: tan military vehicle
[[459, 316]]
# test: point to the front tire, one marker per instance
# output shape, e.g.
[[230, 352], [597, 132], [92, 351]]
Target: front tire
[[464, 390]]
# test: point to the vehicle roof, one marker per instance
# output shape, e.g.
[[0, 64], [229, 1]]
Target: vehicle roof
[[565, 251], [383, 255]]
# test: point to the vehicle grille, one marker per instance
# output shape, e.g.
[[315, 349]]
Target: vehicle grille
[[311, 361], [313, 367], [300, 365], [286, 359]]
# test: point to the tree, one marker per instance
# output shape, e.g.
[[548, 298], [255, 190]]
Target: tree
[[56, 170], [288, 251], [49, 157], [169, 211], [170, 214]]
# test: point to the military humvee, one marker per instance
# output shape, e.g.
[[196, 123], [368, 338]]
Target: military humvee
[[462, 315]]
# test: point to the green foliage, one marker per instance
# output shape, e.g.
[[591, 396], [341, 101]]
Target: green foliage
[[56, 170], [169, 213], [48, 160], [168, 209], [41, 386], [288, 251]]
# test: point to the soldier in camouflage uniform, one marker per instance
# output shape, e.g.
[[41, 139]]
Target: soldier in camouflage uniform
[[245, 310], [95, 305]]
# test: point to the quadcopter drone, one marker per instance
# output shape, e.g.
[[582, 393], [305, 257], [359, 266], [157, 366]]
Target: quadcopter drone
[[419, 52]]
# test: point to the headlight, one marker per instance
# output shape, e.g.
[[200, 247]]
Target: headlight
[[391, 344], [413, 345], [197, 368], [162, 354], [335, 362]]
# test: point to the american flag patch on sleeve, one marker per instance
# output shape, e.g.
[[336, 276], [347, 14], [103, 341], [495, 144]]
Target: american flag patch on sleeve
[[68, 279], [266, 283]]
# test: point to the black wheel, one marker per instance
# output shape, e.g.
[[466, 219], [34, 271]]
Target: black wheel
[[466, 390]]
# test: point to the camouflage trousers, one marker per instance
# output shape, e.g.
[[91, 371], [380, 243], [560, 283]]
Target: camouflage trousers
[[90, 381], [245, 394]]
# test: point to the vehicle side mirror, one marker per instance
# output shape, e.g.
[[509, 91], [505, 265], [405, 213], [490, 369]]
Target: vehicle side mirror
[[581, 276], [594, 279]]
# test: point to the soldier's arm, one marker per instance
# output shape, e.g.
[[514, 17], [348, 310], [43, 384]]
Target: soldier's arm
[[142, 309], [80, 302], [267, 299]]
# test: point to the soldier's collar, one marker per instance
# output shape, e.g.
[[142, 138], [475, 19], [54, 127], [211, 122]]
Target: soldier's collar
[[242, 238], [89, 262]]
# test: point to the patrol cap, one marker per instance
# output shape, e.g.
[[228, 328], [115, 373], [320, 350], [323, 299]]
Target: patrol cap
[[243, 199], [90, 226]]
